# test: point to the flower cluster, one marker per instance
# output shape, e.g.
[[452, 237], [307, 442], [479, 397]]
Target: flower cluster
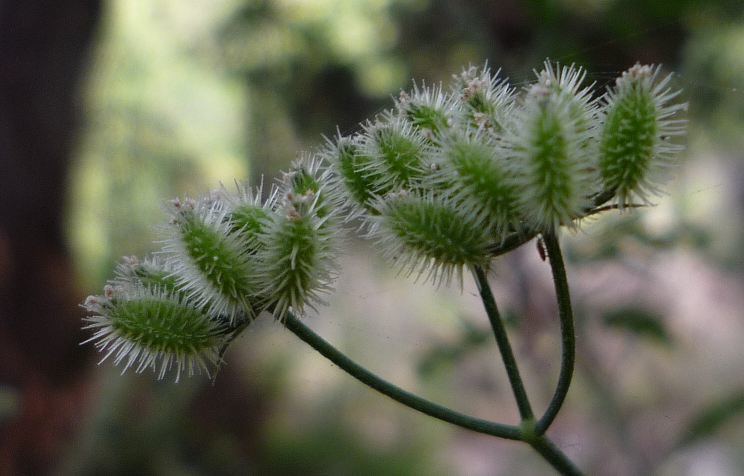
[[437, 182]]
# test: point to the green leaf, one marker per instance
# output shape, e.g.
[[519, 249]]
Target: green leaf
[[712, 417], [638, 321], [441, 356]]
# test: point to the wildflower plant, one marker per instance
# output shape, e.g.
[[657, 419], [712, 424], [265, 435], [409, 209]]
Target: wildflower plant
[[443, 183]]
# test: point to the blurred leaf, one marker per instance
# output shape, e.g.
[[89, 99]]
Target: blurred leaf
[[638, 321], [713, 417], [443, 355], [331, 448]]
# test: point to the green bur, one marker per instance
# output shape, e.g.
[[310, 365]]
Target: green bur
[[480, 183], [163, 325], [220, 261], [249, 221], [291, 271], [429, 234], [401, 156], [551, 167], [427, 117], [627, 142], [354, 169]]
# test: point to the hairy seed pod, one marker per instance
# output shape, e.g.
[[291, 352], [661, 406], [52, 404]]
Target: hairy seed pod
[[248, 217], [152, 272], [474, 174], [398, 154], [353, 178], [213, 266], [297, 265], [429, 109], [635, 147], [309, 176], [566, 82], [429, 235], [486, 101], [148, 328], [553, 157]]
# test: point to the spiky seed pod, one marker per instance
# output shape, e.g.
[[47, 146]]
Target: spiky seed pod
[[398, 154], [353, 178], [429, 109], [487, 100], [567, 82], [473, 172], [552, 161], [309, 176], [212, 265], [149, 328], [152, 272], [297, 265], [430, 236], [636, 149], [247, 215]]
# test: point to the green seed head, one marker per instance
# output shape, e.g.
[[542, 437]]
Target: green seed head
[[429, 235], [552, 159], [152, 273], [297, 265], [428, 109], [473, 172], [486, 101], [247, 216], [308, 184], [353, 178], [213, 266], [398, 154], [151, 328], [438, 182], [566, 82], [635, 148]]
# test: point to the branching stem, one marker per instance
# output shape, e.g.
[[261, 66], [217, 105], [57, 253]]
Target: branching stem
[[396, 393], [546, 448]]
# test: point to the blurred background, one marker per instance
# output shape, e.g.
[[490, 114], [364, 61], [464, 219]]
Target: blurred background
[[109, 108]]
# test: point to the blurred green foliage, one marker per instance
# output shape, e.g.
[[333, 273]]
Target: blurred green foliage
[[711, 418], [185, 94], [640, 322], [160, 123]]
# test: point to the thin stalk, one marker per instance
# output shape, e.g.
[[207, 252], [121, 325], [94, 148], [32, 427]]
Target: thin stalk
[[502, 339], [553, 455], [396, 393], [568, 338]]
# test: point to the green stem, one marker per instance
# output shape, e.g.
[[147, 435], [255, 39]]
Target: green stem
[[546, 448], [553, 455], [502, 339], [568, 339], [396, 393]]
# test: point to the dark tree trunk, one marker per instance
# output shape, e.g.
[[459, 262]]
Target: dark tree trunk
[[44, 48]]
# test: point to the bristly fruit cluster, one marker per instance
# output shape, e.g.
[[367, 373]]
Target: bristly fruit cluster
[[226, 257], [438, 182], [449, 172]]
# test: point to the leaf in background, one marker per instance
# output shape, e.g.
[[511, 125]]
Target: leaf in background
[[443, 355], [641, 322], [712, 417]]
